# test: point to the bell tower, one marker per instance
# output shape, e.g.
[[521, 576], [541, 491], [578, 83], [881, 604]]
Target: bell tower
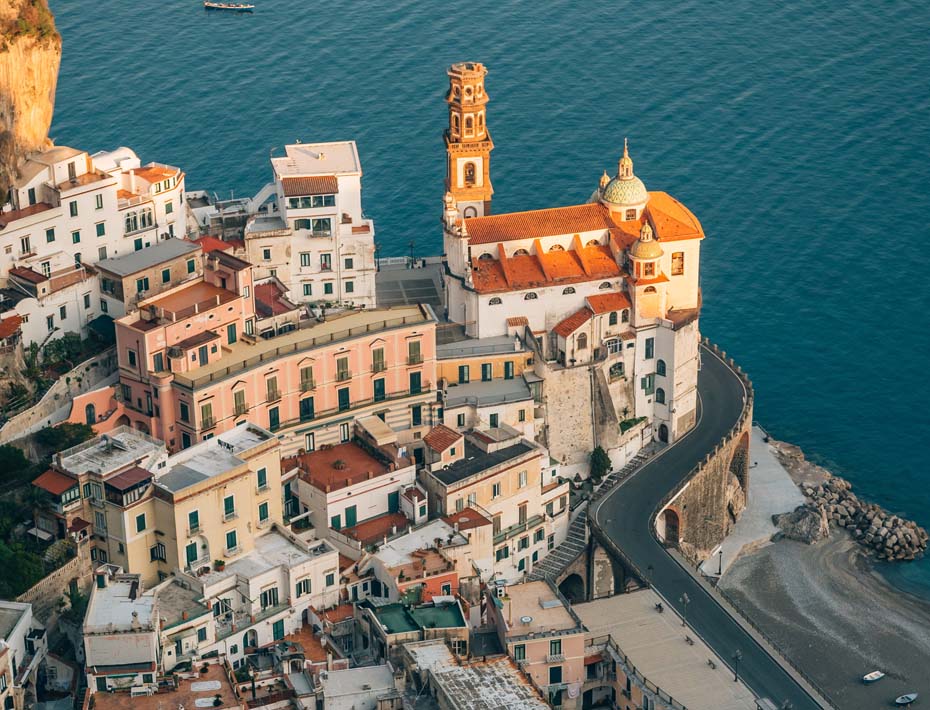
[[468, 142]]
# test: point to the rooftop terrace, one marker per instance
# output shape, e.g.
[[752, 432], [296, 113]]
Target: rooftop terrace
[[488, 685], [191, 693], [10, 615], [534, 607], [318, 159], [399, 619], [106, 453], [474, 347], [243, 356], [341, 466], [118, 605], [271, 550], [484, 394], [149, 257]]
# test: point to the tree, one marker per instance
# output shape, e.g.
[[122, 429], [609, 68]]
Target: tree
[[15, 468], [65, 349], [600, 463], [64, 435]]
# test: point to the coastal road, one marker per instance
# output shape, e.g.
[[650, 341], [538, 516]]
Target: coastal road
[[624, 516]]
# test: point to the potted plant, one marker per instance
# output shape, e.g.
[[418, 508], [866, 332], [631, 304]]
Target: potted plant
[[219, 565]]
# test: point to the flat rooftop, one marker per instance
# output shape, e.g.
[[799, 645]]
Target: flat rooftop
[[399, 551], [149, 257], [475, 347], [271, 550], [175, 600], [341, 466], [399, 619], [355, 681], [337, 158], [185, 297], [113, 607], [190, 694], [242, 356], [654, 643], [484, 394], [10, 614], [538, 602], [212, 457], [109, 452], [487, 685], [432, 655], [476, 461]]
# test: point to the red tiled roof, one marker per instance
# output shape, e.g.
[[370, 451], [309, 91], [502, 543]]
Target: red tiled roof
[[315, 185], [538, 223], [318, 468], [413, 493], [129, 478], [30, 275], [671, 219], [345, 562], [338, 613], [209, 244], [517, 321], [569, 325], [364, 229], [10, 325], [156, 173], [271, 301], [77, 525], [517, 273], [590, 660], [54, 482], [376, 529], [607, 302], [441, 437], [10, 217], [467, 519]]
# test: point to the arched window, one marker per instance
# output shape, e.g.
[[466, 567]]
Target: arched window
[[593, 243], [650, 289], [521, 252], [480, 120], [631, 214], [531, 296], [486, 256], [470, 212], [612, 318], [660, 367], [556, 247], [495, 301], [660, 396], [604, 285], [567, 290], [582, 341], [625, 316], [469, 123], [469, 171], [90, 415], [455, 122]]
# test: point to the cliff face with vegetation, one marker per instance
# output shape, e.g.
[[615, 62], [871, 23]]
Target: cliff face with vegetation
[[30, 52]]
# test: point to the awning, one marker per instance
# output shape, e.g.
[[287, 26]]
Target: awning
[[378, 430], [129, 478], [54, 482], [591, 660], [40, 534]]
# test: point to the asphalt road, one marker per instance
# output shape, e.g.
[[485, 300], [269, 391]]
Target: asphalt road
[[624, 516]]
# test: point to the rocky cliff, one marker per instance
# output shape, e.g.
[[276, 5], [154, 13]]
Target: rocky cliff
[[30, 52]]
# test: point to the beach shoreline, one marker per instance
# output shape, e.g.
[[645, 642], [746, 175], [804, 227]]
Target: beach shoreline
[[828, 608]]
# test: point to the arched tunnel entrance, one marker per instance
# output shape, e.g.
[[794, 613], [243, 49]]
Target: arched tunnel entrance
[[572, 588]]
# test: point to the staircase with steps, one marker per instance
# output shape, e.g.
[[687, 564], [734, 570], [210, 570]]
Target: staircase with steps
[[577, 537]]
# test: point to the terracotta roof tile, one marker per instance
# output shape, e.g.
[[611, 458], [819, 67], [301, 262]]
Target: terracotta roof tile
[[569, 325], [270, 300], [10, 325], [671, 219], [314, 185], [29, 275], [413, 493], [54, 482], [607, 302], [517, 273], [441, 437], [517, 321], [209, 244], [9, 217], [156, 173], [375, 529], [129, 478], [467, 519], [538, 223]]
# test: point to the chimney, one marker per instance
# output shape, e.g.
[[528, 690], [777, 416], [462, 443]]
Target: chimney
[[58, 459], [184, 615], [329, 661], [370, 475]]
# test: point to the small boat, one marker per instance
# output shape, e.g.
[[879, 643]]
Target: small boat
[[872, 677], [905, 699], [230, 6]]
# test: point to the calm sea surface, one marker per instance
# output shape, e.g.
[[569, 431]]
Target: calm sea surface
[[798, 132]]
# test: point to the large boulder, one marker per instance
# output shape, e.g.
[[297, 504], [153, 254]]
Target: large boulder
[[806, 523]]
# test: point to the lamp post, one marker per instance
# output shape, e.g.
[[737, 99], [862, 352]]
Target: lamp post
[[737, 657], [720, 563], [685, 600]]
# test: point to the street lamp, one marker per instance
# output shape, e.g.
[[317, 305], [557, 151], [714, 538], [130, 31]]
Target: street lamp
[[720, 563], [737, 657], [685, 600]]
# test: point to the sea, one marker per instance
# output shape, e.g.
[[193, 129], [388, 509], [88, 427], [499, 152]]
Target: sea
[[798, 132]]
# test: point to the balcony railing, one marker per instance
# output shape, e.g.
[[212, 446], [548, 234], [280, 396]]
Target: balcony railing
[[242, 408], [518, 528], [208, 422], [343, 375], [307, 385], [273, 395], [230, 515], [193, 529], [414, 359], [356, 404], [378, 366]]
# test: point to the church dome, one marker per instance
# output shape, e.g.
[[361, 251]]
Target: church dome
[[646, 247], [625, 191]]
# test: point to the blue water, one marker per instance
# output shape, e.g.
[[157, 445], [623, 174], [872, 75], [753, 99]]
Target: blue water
[[798, 132]]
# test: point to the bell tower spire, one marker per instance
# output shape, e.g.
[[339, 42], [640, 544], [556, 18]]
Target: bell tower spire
[[468, 142]]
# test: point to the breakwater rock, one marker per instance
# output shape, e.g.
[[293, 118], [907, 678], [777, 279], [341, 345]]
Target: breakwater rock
[[888, 536]]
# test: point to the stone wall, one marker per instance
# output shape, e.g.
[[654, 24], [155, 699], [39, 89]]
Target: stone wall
[[568, 402], [704, 509], [46, 595], [55, 405]]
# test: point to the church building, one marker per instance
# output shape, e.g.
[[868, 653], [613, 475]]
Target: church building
[[605, 293]]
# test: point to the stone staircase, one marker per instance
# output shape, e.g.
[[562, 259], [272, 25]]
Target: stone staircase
[[577, 537]]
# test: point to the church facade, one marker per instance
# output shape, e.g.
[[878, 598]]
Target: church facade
[[606, 293]]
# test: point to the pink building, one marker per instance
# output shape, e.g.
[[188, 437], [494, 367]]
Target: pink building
[[192, 366]]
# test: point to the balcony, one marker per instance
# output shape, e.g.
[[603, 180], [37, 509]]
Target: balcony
[[231, 551], [378, 366], [556, 658], [307, 385], [518, 528], [208, 423], [414, 359], [261, 488], [231, 515], [343, 375], [242, 409], [273, 395]]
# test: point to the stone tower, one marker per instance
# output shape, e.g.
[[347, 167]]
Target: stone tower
[[468, 142]]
